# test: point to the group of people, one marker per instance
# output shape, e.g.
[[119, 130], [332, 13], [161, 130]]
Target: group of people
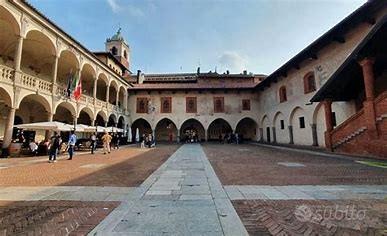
[[147, 140], [190, 136], [55, 145], [230, 138]]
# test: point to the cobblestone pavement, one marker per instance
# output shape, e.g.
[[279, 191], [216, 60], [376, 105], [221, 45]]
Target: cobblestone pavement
[[306, 192], [258, 165], [52, 217], [126, 167], [311, 217], [183, 197]]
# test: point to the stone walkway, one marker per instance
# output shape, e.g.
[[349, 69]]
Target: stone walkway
[[306, 192], [183, 197]]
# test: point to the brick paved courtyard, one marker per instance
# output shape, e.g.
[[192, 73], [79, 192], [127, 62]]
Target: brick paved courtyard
[[172, 188], [258, 165]]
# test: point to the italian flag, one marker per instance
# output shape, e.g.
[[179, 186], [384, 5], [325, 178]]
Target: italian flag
[[77, 87]]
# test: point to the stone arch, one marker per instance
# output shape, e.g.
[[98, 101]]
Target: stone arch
[[33, 108], [112, 121], [85, 116], [121, 122], [38, 55], [9, 31], [37, 97], [113, 88], [319, 122], [280, 125], [266, 129], [143, 126], [166, 130], [88, 76], [121, 96], [100, 118], [190, 128], [5, 97], [102, 85], [68, 63], [247, 129], [302, 133], [218, 127], [65, 112]]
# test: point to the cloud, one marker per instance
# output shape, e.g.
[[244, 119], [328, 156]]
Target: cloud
[[232, 61], [114, 5], [120, 7]]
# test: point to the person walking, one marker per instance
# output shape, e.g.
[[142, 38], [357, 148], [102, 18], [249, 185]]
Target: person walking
[[93, 144], [71, 145], [106, 139], [53, 147]]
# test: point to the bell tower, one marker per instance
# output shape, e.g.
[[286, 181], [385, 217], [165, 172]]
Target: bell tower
[[118, 46]]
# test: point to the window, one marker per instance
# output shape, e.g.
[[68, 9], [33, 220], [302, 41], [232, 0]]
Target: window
[[125, 54], [309, 83], [302, 122], [334, 119], [282, 94], [166, 104], [282, 124], [218, 104], [190, 105], [142, 105], [114, 50], [246, 104]]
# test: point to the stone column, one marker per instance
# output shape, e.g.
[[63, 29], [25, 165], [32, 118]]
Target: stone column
[[291, 141], [261, 134], [8, 132], [75, 121], [54, 74], [92, 122], [18, 53], [274, 135], [48, 133], [126, 102], [154, 134], [328, 123], [314, 134], [117, 97], [206, 135], [107, 94], [106, 123], [369, 105], [178, 135], [95, 89]]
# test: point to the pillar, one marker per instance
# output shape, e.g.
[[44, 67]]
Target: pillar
[[206, 135], [328, 123], [314, 134], [261, 134], [95, 89], [107, 94], [93, 122], [274, 135], [178, 135], [291, 141], [18, 53], [106, 123], [154, 134], [55, 69], [75, 121], [117, 97], [8, 132], [48, 133], [369, 105], [126, 102]]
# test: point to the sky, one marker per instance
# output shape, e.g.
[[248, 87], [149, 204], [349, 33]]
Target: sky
[[174, 36]]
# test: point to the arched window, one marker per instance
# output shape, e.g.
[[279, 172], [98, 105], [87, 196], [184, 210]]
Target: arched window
[[114, 50], [166, 105], [282, 94], [309, 83], [125, 54]]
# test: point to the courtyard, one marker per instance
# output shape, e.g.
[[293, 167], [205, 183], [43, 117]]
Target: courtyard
[[193, 189]]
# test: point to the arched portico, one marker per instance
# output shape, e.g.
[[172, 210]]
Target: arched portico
[[101, 119], [301, 130], [218, 127], [68, 65], [65, 112], [246, 128], [9, 31], [281, 129], [190, 128], [88, 79], [266, 133], [143, 127], [102, 85], [85, 116], [112, 121], [166, 130]]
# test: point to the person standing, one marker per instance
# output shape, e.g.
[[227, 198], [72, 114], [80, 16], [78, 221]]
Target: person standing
[[53, 147], [93, 142], [71, 145], [106, 139]]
